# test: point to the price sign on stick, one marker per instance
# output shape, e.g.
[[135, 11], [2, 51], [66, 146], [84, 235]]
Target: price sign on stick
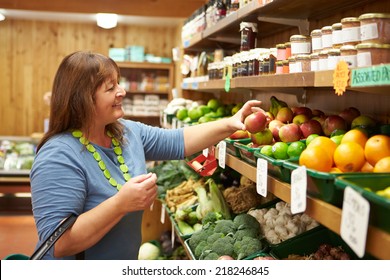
[[298, 190], [262, 177], [354, 221], [222, 154]]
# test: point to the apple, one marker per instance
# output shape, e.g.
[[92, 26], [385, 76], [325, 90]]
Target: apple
[[317, 113], [240, 134], [274, 126], [285, 115], [320, 119], [255, 122], [363, 121], [309, 127], [349, 114], [269, 116], [332, 123], [290, 133], [300, 119], [264, 137], [303, 111]]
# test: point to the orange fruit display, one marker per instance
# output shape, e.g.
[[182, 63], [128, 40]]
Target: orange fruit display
[[377, 147], [349, 157], [324, 142], [316, 158], [367, 167], [383, 165], [355, 135]]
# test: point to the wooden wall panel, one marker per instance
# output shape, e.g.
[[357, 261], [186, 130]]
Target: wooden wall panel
[[30, 52]]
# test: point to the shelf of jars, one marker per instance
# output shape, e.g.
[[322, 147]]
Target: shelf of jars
[[378, 241]]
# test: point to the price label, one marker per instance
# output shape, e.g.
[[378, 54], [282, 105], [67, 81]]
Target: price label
[[162, 216], [262, 177], [222, 154], [174, 123], [354, 221], [298, 190], [165, 120], [205, 152]]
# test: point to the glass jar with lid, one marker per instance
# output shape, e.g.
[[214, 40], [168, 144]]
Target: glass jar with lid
[[372, 54], [281, 51], [337, 35], [323, 60], [348, 53], [375, 28], [333, 58], [350, 30], [279, 67], [291, 64], [316, 40], [286, 67], [248, 35], [314, 61], [302, 63], [300, 44], [326, 37]]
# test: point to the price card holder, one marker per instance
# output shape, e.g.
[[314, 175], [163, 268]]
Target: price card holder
[[204, 166], [222, 154], [262, 177], [298, 190], [354, 221], [205, 152]]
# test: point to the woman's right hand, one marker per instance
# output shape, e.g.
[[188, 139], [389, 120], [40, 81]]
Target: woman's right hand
[[138, 193]]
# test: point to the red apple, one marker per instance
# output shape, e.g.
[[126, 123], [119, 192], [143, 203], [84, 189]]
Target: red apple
[[348, 114], [332, 123], [290, 133], [303, 111], [240, 134], [310, 127], [300, 119], [255, 122], [264, 137], [274, 126], [317, 113], [285, 115]]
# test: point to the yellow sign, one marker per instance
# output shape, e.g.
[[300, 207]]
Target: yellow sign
[[340, 77]]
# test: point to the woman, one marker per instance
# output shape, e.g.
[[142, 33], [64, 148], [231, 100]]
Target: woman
[[91, 162]]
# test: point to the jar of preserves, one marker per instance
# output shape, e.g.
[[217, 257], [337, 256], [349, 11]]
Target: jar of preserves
[[286, 67], [279, 67], [375, 28], [302, 63], [337, 35], [348, 53], [350, 30], [372, 54], [323, 60], [333, 58], [314, 61], [300, 44], [291, 64], [248, 35], [288, 49], [244, 63], [316, 40], [281, 51], [326, 37]]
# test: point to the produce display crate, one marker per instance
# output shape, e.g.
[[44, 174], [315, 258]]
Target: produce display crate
[[275, 167], [174, 223], [233, 150], [308, 244], [188, 249], [320, 185], [247, 153], [379, 205]]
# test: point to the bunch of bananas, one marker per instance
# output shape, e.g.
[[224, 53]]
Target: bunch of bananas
[[276, 105]]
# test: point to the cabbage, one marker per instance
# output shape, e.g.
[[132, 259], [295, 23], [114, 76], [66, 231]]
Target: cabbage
[[149, 251]]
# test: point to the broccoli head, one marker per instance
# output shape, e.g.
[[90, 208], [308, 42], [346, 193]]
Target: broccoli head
[[223, 246], [200, 248], [250, 232], [199, 236], [214, 237], [246, 221], [212, 217], [247, 246], [225, 227], [210, 255]]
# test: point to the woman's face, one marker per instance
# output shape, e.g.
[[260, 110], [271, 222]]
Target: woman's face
[[109, 99]]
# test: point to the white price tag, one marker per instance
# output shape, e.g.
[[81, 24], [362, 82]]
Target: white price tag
[[174, 123], [165, 120], [298, 190], [354, 221], [162, 217], [222, 154], [262, 177], [205, 152], [173, 235]]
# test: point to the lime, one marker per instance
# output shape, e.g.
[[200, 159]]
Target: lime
[[337, 138], [279, 150], [221, 111], [337, 132], [213, 104], [295, 149], [205, 109], [267, 151], [182, 113], [195, 113], [309, 138]]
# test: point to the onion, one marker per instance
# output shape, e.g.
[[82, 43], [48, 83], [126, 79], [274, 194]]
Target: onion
[[225, 257]]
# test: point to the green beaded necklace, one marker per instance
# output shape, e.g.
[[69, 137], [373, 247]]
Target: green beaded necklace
[[117, 150]]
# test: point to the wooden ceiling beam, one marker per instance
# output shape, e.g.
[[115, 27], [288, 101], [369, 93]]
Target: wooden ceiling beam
[[153, 8]]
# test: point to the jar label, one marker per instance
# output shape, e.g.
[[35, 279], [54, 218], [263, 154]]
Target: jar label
[[337, 37], [326, 41], [369, 31], [323, 64], [351, 60], [301, 48], [316, 44], [364, 59], [298, 67], [351, 34], [314, 65], [332, 62]]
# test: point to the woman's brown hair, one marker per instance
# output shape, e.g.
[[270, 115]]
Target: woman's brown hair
[[72, 104]]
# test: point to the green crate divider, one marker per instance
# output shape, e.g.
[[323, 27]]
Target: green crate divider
[[275, 167], [379, 205], [247, 153], [231, 149]]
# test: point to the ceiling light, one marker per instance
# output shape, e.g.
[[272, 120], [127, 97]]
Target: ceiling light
[[2, 17], [106, 21]]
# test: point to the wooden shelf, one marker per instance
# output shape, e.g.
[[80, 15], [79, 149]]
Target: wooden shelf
[[147, 92], [378, 241], [144, 65]]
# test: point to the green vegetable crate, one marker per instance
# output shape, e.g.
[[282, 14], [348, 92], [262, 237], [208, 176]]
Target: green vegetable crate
[[233, 150], [320, 185], [309, 243], [247, 153], [367, 184], [275, 167]]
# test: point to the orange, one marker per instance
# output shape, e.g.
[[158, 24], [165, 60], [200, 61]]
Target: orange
[[355, 135], [377, 147], [367, 167], [316, 158], [324, 142], [349, 157], [335, 170], [383, 165]]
